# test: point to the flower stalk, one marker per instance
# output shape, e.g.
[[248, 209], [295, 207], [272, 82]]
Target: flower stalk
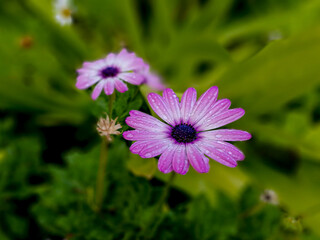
[[100, 189], [106, 127]]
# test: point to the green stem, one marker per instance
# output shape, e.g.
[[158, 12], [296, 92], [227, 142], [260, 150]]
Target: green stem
[[112, 98], [101, 174], [166, 190], [155, 220], [100, 186]]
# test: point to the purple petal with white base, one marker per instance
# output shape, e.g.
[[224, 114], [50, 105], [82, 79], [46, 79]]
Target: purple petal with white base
[[154, 148], [110, 73], [166, 158], [180, 161], [187, 135]]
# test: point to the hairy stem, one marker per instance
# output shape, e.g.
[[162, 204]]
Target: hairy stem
[[112, 98]]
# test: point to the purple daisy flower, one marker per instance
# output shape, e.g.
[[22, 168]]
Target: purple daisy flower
[[187, 134], [111, 72]]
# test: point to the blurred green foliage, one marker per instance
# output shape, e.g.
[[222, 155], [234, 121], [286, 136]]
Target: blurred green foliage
[[263, 55]]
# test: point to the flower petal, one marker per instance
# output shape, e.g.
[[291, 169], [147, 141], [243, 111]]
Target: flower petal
[[180, 161], [222, 119], [97, 90], [135, 64], [154, 81], [109, 87], [110, 59], [230, 149], [160, 107], [96, 65], [203, 104], [136, 147], [136, 135], [120, 86], [124, 56], [172, 101], [142, 121], [154, 148], [144, 116], [165, 160], [129, 61], [217, 108], [216, 153], [226, 135], [188, 100], [198, 161], [84, 82], [131, 77], [88, 72]]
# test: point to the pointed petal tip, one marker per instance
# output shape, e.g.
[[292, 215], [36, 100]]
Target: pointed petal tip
[[125, 135], [128, 121], [191, 89], [231, 166], [123, 50], [131, 112], [249, 136], [151, 95], [214, 88], [168, 90], [240, 111]]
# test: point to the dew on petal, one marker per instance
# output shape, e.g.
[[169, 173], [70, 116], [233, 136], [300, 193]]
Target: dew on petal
[[186, 132]]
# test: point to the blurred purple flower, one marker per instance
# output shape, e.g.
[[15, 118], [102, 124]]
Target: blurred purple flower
[[151, 79], [187, 134], [111, 72]]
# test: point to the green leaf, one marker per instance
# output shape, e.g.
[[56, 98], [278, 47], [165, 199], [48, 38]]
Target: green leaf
[[279, 73], [142, 167]]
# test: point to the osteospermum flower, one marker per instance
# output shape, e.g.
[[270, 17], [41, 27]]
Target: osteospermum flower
[[63, 11], [187, 134], [111, 72]]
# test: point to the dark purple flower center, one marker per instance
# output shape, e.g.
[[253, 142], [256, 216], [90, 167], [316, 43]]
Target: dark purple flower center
[[184, 133], [109, 72]]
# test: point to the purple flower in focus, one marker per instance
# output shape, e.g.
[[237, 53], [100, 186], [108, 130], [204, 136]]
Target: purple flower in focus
[[111, 72], [187, 133]]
